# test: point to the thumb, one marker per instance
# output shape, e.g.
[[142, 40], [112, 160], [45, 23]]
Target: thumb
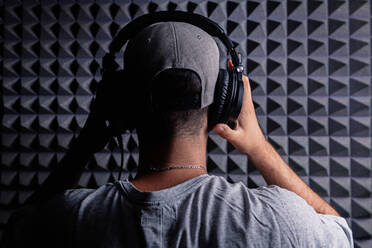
[[224, 131]]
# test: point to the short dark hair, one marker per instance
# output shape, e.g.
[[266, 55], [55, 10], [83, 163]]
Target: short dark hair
[[173, 87]]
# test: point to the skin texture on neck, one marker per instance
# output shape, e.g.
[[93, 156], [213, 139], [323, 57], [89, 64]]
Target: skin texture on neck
[[160, 153]]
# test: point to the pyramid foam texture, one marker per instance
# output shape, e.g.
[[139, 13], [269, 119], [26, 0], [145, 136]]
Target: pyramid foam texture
[[309, 64]]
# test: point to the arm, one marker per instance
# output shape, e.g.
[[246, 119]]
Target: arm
[[276, 171], [92, 138], [248, 138]]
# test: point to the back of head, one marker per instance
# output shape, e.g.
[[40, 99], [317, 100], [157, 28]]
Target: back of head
[[175, 94], [176, 66]]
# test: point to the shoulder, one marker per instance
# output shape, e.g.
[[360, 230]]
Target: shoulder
[[32, 223], [58, 203], [72, 199], [239, 194], [310, 227], [225, 195], [284, 210], [71, 202], [247, 212]]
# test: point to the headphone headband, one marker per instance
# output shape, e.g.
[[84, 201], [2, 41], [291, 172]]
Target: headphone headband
[[209, 26]]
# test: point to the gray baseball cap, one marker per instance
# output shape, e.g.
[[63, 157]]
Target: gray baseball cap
[[165, 45]]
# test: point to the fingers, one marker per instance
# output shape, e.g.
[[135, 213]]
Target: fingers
[[247, 95], [225, 131], [247, 114], [247, 92], [246, 84]]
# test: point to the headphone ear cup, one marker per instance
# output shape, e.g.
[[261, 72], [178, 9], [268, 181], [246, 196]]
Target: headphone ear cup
[[221, 93], [114, 96]]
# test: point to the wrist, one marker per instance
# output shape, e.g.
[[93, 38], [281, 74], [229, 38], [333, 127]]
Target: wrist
[[258, 148]]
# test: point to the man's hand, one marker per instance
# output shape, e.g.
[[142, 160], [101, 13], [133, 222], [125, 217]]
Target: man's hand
[[247, 135]]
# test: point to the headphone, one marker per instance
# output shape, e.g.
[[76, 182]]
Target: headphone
[[112, 94]]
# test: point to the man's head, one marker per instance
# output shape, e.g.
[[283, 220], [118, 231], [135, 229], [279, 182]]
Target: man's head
[[175, 65]]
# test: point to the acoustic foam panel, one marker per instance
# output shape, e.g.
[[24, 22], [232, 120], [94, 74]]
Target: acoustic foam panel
[[309, 68]]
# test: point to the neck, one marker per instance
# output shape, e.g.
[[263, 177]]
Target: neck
[[181, 150]]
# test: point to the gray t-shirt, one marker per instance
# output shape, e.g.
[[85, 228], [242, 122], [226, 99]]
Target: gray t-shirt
[[205, 211]]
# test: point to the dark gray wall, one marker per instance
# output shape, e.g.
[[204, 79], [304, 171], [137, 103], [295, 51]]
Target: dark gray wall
[[309, 66]]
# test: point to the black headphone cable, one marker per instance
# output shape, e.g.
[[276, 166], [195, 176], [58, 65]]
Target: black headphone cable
[[120, 142]]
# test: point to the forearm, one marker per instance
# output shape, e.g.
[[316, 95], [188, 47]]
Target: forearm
[[65, 176], [91, 139], [277, 172]]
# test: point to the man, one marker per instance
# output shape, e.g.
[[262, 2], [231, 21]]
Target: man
[[172, 201]]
